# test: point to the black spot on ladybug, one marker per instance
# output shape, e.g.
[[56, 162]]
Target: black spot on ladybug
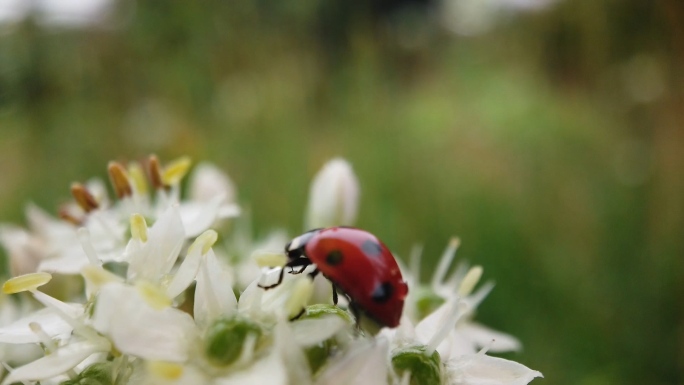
[[371, 248], [382, 292], [334, 258]]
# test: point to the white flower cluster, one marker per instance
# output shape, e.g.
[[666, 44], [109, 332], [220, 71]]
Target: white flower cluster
[[165, 304]]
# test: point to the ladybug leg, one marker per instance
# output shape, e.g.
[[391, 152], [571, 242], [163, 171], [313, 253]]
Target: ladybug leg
[[300, 271], [280, 280], [334, 295], [314, 273], [304, 262], [357, 314]]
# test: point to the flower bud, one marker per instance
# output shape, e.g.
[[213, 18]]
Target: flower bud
[[323, 310], [427, 301], [424, 369], [333, 197], [99, 373], [317, 354], [225, 339], [96, 374]]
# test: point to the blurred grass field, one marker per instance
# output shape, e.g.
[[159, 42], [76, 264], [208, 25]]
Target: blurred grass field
[[551, 145]]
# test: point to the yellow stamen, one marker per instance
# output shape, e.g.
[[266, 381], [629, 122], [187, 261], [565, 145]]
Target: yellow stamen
[[165, 370], [138, 227], [84, 198], [137, 175], [206, 240], [153, 295], [155, 172], [176, 170], [470, 280], [98, 276], [301, 292], [25, 282], [120, 180], [269, 258]]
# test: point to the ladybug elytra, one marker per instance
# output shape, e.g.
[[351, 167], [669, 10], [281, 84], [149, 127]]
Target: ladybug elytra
[[358, 264]]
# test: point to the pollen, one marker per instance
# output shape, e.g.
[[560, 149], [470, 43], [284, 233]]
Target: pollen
[[207, 239], [25, 282], [153, 295], [98, 276], [470, 280], [138, 227], [85, 199], [175, 171], [155, 172], [137, 175], [302, 289], [165, 370], [120, 180], [269, 258]]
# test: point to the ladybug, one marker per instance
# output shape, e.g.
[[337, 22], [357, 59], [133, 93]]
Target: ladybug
[[358, 264]]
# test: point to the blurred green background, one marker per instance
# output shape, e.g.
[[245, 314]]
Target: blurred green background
[[551, 143]]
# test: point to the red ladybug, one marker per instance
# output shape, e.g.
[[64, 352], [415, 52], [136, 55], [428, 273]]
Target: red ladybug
[[356, 262]]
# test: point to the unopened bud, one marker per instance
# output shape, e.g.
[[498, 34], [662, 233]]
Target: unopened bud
[[424, 368], [333, 197]]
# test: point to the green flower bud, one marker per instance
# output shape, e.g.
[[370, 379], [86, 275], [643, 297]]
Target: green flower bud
[[320, 310], [97, 374], [225, 339], [318, 355], [427, 301], [425, 369]]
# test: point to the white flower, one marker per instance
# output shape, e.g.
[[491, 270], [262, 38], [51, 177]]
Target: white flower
[[480, 369], [284, 301], [139, 322], [94, 229], [468, 336], [333, 197], [138, 325], [364, 363]]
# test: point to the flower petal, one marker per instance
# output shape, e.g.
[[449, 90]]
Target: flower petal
[[19, 332], [269, 370], [208, 181], [186, 272], [69, 261], [333, 197], [138, 329], [54, 364], [159, 253], [482, 336], [199, 216], [214, 296], [364, 363], [311, 331], [480, 369]]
